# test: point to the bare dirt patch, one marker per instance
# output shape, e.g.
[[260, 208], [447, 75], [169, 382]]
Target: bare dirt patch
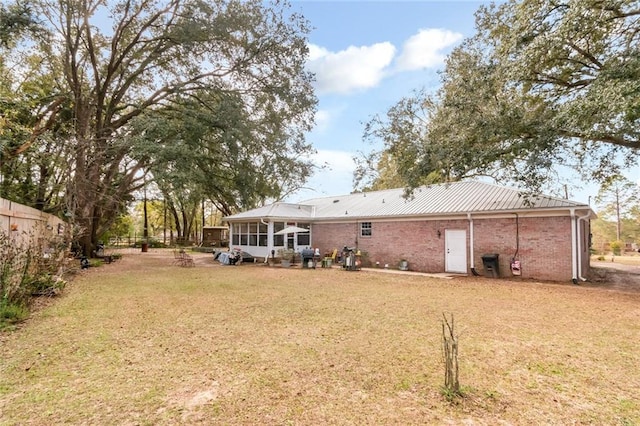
[[615, 276]]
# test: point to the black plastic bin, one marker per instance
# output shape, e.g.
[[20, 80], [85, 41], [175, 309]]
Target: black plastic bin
[[491, 265]]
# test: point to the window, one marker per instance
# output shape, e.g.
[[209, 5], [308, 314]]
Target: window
[[253, 234], [262, 235], [365, 229], [278, 240], [243, 233], [304, 238], [235, 229]]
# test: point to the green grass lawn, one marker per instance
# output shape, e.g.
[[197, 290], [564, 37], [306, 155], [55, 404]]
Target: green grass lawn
[[142, 342]]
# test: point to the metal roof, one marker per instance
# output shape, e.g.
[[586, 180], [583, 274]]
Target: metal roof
[[276, 210], [433, 200]]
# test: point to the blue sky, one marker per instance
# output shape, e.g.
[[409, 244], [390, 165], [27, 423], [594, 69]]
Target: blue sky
[[366, 56]]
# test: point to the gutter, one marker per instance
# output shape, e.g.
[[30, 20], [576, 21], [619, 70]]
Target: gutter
[[270, 250]]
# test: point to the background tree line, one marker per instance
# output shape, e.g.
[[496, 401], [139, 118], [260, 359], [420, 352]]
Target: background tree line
[[210, 100], [618, 225]]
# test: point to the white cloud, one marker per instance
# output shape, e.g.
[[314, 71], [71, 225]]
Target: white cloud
[[322, 119], [317, 52], [364, 67], [335, 179], [325, 118], [351, 69], [425, 49]]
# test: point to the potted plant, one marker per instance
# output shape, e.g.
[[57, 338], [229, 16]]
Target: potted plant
[[403, 265], [286, 256]]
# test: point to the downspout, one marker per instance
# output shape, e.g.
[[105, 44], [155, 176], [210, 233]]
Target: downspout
[[473, 268], [269, 241], [574, 257], [580, 218]]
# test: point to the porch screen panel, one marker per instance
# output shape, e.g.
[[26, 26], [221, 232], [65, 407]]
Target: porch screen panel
[[253, 234], [244, 229], [236, 234], [278, 240], [262, 234]]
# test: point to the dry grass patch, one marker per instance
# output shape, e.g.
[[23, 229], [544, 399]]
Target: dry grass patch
[[144, 342]]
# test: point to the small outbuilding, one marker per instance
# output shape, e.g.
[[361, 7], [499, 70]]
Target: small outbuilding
[[215, 236], [465, 227]]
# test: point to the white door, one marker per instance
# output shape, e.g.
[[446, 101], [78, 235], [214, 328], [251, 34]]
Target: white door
[[455, 258]]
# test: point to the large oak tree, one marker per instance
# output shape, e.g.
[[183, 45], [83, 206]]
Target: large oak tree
[[543, 84], [116, 67]]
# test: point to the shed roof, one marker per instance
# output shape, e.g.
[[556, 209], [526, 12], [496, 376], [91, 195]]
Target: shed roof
[[432, 200]]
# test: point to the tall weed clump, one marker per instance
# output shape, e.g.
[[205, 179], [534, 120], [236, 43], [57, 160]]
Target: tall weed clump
[[30, 265]]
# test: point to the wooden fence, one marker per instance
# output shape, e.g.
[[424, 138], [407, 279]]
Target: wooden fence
[[20, 221]]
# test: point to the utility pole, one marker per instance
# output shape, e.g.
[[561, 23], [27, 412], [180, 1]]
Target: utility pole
[[145, 231], [618, 224], [203, 223]]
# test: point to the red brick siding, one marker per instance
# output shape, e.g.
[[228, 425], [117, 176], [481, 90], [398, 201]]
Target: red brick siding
[[415, 241], [544, 249]]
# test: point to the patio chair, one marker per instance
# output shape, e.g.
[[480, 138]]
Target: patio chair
[[181, 258], [187, 260], [177, 257]]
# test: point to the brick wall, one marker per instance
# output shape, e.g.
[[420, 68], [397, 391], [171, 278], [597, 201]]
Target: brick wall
[[544, 243]]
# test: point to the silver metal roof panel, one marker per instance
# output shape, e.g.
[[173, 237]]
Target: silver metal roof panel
[[433, 200]]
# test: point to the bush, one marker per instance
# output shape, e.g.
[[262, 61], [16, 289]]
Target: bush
[[30, 266], [153, 243], [616, 247], [47, 285], [11, 313], [286, 254]]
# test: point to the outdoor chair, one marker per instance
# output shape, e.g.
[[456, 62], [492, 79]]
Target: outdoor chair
[[181, 258], [187, 260], [177, 257]]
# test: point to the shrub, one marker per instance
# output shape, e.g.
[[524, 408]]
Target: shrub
[[286, 254], [12, 313], [29, 265], [616, 247], [47, 285], [14, 261]]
